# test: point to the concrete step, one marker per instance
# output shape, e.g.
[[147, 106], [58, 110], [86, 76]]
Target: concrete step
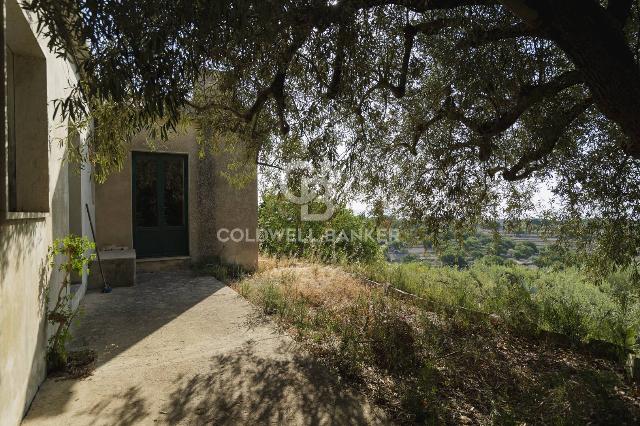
[[161, 264]]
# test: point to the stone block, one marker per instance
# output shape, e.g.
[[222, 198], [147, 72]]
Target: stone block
[[119, 267]]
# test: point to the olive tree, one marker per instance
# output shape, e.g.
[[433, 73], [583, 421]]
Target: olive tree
[[448, 109]]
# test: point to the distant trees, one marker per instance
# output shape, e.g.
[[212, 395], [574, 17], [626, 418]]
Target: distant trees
[[524, 250], [452, 257]]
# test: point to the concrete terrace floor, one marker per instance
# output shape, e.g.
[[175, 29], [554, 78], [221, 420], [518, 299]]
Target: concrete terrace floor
[[179, 349]]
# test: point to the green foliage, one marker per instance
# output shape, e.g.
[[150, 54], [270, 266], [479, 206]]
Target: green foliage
[[565, 301], [108, 133], [442, 111], [554, 257], [491, 260], [344, 237], [452, 257], [475, 245], [524, 250], [67, 255], [502, 245]]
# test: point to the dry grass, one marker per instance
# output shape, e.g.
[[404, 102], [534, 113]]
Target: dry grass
[[266, 263], [320, 285], [428, 367]]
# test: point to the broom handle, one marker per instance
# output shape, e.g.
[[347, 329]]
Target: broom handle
[[93, 233]]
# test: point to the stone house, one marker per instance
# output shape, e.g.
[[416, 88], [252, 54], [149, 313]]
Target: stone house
[[165, 209], [161, 211]]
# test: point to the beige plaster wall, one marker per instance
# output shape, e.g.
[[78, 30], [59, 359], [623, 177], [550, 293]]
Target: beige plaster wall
[[24, 275], [213, 203], [234, 209]]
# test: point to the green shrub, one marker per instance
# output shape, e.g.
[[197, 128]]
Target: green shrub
[[491, 260], [554, 257], [502, 245], [67, 255], [475, 246], [452, 257], [524, 250], [623, 322], [565, 301], [344, 237], [511, 297]]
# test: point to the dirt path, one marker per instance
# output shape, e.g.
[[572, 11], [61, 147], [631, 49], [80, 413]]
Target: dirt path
[[178, 349]]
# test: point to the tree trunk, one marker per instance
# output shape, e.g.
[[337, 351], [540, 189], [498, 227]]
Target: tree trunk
[[596, 45]]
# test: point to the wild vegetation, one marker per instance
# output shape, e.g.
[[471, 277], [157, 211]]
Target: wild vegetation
[[559, 295], [429, 364], [486, 343], [565, 301], [341, 238]]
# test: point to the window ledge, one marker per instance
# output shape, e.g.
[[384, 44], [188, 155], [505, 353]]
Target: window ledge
[[26, 215]]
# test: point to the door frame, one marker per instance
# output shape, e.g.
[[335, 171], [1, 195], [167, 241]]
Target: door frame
[[185, 156]]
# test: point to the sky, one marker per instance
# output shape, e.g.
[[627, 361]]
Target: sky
[[543, 199]]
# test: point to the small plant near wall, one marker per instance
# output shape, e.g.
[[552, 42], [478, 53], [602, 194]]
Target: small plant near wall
[[68, 254]]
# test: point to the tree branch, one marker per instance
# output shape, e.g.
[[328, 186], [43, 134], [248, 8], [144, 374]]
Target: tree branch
[[527, 97], [273, 166], [338, 63], [421, 128], [276, 88], [214, 105], [401, 89], [620, 10], [410, 31], [479, 36], [533, 160]]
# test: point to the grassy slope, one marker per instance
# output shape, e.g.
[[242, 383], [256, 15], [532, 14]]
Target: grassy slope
[[437, 367], [565, 301]]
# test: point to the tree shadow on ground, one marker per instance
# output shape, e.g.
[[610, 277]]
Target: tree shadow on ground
[[111, 323], [246, 387]]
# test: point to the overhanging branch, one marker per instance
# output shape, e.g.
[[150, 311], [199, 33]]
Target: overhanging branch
[[527, 97], [410, 31], [480, 36], [620, 10], [550, 134], [338, 63]]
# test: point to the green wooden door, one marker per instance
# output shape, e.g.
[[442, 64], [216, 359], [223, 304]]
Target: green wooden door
[[160, 226]]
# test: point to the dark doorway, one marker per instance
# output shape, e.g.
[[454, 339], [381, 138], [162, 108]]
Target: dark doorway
[[160, 205]]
